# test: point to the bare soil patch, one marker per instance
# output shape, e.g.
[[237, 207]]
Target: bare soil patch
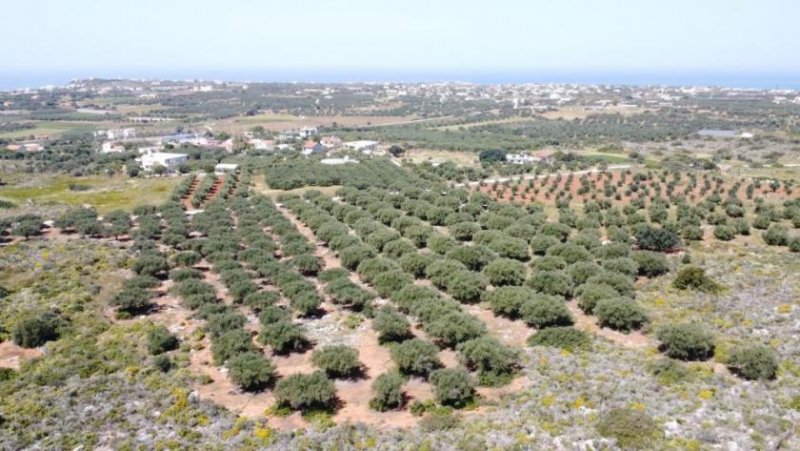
[[12, 356]]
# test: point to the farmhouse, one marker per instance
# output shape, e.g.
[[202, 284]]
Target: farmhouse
[[312, 147], [521, 158], [225, 168], [363, 146], [307, 132], [26, 147], [168, 160], [112, 147]]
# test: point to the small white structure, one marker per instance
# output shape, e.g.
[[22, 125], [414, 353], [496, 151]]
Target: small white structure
[[121, 133], [746, 135], [337, 161], [521, 158], [112, 147], [225, 168], [307, 132], [170, 161], [363, 146], [26, 147], [262, 144]]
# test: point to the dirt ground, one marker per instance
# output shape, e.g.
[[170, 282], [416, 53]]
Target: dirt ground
[[588, 324], [12, 356]]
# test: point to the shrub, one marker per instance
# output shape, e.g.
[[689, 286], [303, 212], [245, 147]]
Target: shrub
[[505, 271], [473, 257], [571, 253], [162, 363], [390, 282], [493, 361], [251, 371], [305, 391], [507, 301], [452, 387], [132, 300], [686, 342], [284, 337], [34, 332], [621, 265], [776, 235], [753, 362], [416, 357], [549, 263], [630, 427], [724, 232], [695, 278], [543, 310], [440, 244], [231, 344], [455, 327], [659, 240], [371, 267], [440, 271], [391, 325], [337, 361], [567, 338], [541, 243], [619, 282], [352, 256], [580, 272], [415, 264], [591, 293], [150, 264], [650, 264], [464, 231], [794, 244], [399, 248], [223, 322], [189, 258], [508, 247], [159, 341], [306, 303], [466, 286], [670, 371], [308, 265], [388, 389], [620, 314], [556, 283]]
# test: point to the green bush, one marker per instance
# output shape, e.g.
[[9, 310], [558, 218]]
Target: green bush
[[388, 389], [590, 293], [305, 391], [415, 264], [162, 363], [36, 331], [159, 341], [391, 325], [650, 264], [132, 300], [630, 427], [776, 235], [150, 264], [620, 314], [686, 342], [753, 362], [337, 361], [416, 357], [230, 344], [556, 283], [308, 265], [352, 256], [505, 271], [251, 371], [695, 278], [439, 272], [507, 301], [466, 286], [543, 311], [494, 362], [724, 232], [283, 336], [567, 338], [472, 257], [452, 387], [223, 322], [454, 328], [659, 240], [794, 244]]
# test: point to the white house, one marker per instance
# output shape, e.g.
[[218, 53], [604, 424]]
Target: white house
[[168, 160], [312, 147], [337, 161], [262, 144], [225, 168], [363, 146], [26, 147], [307, 132], [112, 147], [121, 133], [149, 149], [521, 158]]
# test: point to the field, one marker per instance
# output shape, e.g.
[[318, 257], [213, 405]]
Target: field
[[279, 122], [103, 193]]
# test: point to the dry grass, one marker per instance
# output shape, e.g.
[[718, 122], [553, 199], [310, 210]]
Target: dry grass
[[460, 158]]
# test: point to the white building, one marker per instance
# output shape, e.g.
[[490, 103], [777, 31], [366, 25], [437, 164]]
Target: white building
[[170, 161], [149, 149], [112, 147], [521, 158], [363, 146], [307, 132], [337, 161], [225, 168], [121, 133]]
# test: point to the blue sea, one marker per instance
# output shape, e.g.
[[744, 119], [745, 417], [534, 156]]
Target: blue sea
[[16, 80]]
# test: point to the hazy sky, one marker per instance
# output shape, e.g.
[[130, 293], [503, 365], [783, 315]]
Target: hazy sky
[[114, 36]]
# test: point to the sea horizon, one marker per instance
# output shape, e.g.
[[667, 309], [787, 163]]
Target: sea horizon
[[760, 81]]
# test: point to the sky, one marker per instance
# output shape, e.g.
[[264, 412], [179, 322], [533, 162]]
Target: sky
[[196, 37]]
